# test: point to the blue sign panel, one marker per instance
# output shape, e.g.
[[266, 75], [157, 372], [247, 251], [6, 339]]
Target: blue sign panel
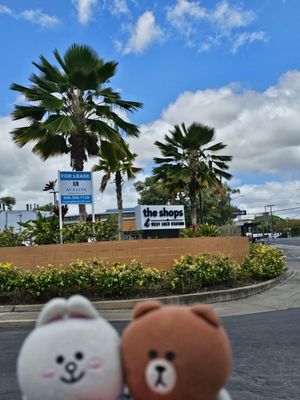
[[76, 199], [78, 176], [75, 187]]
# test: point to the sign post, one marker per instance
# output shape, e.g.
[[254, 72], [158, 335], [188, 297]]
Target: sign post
[[75, 187]]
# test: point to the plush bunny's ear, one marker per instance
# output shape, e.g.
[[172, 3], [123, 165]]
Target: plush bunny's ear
[[207, 313], [54, 310], [145, 307], [81, 307]]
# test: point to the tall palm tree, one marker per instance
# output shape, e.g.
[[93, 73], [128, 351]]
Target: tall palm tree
[[115, 159], [71, 107], [190, 159]]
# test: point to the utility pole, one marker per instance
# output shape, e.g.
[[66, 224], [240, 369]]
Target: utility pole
[[271, 220]]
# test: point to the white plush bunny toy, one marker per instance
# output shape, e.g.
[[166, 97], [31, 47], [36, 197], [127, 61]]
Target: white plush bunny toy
[[72, 354]]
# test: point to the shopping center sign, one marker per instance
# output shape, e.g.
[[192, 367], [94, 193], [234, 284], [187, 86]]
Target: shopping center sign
[[159, 217]]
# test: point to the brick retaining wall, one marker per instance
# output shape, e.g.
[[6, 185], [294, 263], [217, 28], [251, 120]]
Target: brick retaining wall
[[159, 253]]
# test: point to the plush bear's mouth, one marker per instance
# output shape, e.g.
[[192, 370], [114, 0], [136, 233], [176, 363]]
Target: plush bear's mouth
[[72, 378], [160, 381]]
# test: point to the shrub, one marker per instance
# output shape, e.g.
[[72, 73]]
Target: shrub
[[83, 232], [10, 238], [42, 230], [209, 230], [201, 230], [263, 262], [191, 274]]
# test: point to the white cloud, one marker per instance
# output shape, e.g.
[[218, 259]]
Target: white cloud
[[39, 18], [228, 18], [119, 7], [5, 9], [208, 28], [283, 195], [36, 17], [145, 32], [183, 10], [261, 129], [85, 10], [248, 37]]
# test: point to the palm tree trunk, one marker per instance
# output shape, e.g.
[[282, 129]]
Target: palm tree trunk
[[193, 200], [200, 207], [120, 203]]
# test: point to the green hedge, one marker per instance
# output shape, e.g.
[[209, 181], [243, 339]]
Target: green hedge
[[97, 280], [263, 262]]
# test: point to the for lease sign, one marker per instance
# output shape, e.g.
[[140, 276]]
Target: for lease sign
[[159, 217], [75, 187]]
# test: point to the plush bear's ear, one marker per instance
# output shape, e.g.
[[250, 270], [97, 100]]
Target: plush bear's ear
[[54, 310], [81, 307], [207, 313], [145, 307]]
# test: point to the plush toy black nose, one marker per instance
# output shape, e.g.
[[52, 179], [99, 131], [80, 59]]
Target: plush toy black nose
[[160, 369], [71, 367]]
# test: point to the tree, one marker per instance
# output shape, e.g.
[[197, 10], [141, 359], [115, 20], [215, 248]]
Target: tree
[[191, 160], [213, 206], [7, 201], [70, 108], [116, 160], [152, 192], [51, 185]]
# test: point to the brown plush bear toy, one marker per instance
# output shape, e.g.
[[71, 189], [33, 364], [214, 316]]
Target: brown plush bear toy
[[175, 353]]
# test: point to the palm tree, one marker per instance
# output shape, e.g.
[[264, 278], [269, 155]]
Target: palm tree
[[190, 159], [71, 107], [51, 185], [116, 159], [7, 201]]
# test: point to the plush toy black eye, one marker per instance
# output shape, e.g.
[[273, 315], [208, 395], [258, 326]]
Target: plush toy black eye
[[152, 354], [60, 359], [170, 356], [79, 355]]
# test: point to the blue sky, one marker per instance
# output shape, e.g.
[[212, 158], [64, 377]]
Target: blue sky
[[233, 65]]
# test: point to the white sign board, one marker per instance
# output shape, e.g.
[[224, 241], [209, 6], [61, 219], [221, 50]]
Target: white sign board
[[159, 217], [75, 187]]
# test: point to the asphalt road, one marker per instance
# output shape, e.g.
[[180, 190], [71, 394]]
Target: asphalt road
[[266, 349]]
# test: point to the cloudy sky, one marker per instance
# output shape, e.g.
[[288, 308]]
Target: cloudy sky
[[233, 65]]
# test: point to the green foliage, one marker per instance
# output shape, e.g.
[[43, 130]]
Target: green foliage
[[190, 161], [152, 192], [42, 230], [264, 262], [83, 232], [191, 274], [202, 230], [73, 109], [97, 280], [10, 238], [46, 231]]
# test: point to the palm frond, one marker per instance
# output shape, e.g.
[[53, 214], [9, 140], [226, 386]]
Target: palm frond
[[32, 113]]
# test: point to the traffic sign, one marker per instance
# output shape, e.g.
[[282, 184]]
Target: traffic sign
[[240, 212]]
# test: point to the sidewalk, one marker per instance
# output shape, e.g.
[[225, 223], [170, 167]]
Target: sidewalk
[[278, 294]]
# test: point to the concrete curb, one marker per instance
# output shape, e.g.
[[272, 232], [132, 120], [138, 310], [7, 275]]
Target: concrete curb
[[186, 299]]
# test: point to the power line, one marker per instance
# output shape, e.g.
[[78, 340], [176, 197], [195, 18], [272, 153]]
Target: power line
[[276, 211]]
